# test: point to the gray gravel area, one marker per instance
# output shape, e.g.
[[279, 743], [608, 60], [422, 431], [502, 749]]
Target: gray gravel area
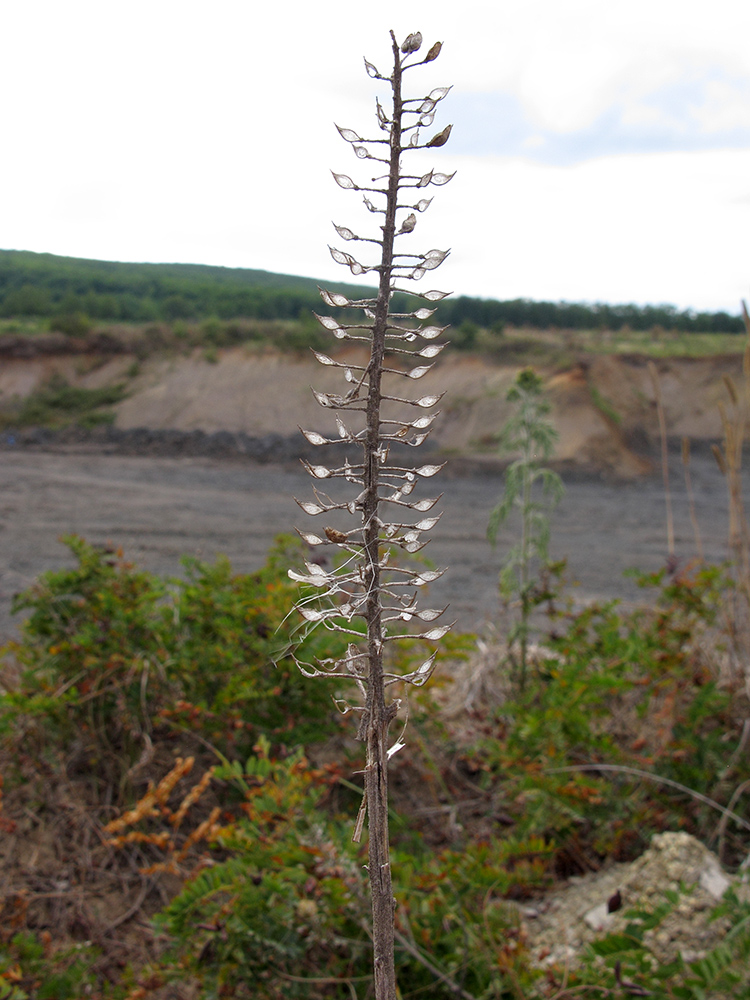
[[159, 508]]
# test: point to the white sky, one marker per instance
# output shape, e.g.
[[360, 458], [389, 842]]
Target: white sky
[[602, 146]]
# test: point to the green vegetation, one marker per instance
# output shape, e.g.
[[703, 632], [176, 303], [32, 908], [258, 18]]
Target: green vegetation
[[533, 491], [58, 403], [34, 284], [119, 676], [69, 292]]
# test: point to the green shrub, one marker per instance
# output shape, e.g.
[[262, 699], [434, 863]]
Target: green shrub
[[623, 964], [628, 690], [59, 403], [28, 963], [74, 324], [109, 653], [282, 905]]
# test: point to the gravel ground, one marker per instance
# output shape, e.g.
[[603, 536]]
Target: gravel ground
[[159, 508]]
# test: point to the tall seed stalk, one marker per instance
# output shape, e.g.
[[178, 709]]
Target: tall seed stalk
[[365, 592]]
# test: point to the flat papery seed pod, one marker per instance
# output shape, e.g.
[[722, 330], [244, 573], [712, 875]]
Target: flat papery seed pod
[[427, 523], [419, 372], [436, 633], [428, 400], [310, 538], [410, 536], [431, 263], [309, 507], [424, 505], [362, 152], [431, 351], [422, 182], [438, 255], [324, 399], [370, 205], [423, 313], [426, 120], [348, 134], [344, 181], [416, 274], [414, 546], [439, 93], [426, 471], [371, 70], [314, 570], [344, 232], [314, 438], [414, 141], [320, 471], [340, 257], [440, 179], [429, 332], [382, 117], [341, 334], [324, 360], [312, 615], [428, 576], [329, 322], [390, 530], [333, 298], [430, 614], [342, 429], [422, 205], [423, 671], [309, 580], [349, 375], [426, 106], [423, 422], [434, 296]]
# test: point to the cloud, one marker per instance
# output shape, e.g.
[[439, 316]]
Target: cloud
[[698, 111]]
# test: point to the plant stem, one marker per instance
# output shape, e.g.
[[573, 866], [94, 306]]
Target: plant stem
[[377, 714]]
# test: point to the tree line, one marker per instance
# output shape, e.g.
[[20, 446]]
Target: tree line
[[45, 285]]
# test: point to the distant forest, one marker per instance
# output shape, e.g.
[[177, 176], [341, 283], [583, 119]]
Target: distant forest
[[45, 285]]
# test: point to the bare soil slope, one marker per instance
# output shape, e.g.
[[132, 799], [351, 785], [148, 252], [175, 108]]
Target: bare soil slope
[[603, 405]]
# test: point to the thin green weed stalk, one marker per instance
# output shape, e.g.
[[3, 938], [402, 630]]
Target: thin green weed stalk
[[532, 491]]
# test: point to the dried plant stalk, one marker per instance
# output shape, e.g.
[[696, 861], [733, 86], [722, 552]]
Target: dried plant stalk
[[367, 592]]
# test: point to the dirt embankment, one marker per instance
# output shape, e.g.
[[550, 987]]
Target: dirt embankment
[[603, 405]]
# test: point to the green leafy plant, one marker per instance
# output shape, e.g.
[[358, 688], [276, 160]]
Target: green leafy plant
[[58, 403], [623, 699], [110, 654], [533, 491], [624, 964]]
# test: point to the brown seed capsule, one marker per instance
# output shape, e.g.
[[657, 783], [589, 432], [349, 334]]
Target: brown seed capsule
[[333, 535], [412, 43], [407, 226], [433, 53], [441, 138]]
